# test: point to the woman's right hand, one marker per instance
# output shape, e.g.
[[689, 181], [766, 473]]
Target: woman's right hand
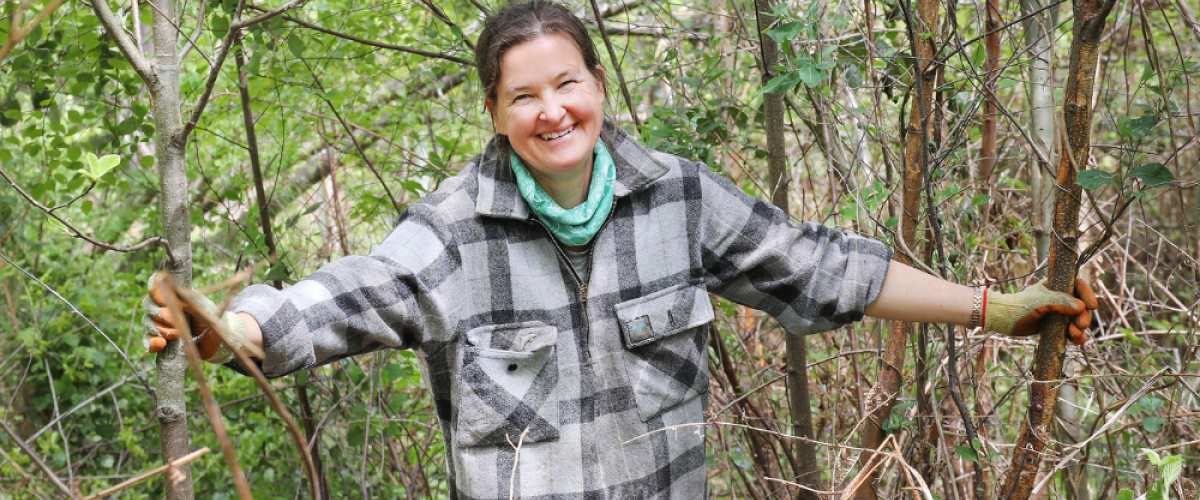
[[161, 325]]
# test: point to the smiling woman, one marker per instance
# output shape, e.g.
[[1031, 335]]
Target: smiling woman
[[556, 291], [549, 106]]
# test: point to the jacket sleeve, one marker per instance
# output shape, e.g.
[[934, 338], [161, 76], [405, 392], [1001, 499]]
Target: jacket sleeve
[[810, 277], [353, 305]]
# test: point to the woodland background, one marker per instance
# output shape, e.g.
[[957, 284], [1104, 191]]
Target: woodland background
[[294, 133]]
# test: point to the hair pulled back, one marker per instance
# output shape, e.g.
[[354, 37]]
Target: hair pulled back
[[523, 21]]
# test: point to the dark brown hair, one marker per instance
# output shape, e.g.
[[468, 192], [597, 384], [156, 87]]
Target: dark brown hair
[[523, 21]]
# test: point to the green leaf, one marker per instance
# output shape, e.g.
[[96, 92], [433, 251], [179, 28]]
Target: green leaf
[[277, 272], [1152, 423], [1094, 179], [967, 452], [1152, 456], [782, 83], [147, 161], [296, 46], [1153, 174], [786, 31], [1125, 495], [97, 167], [61, 226], [1171, 468]]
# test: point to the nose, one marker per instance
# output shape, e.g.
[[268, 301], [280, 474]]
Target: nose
[[552, 110]]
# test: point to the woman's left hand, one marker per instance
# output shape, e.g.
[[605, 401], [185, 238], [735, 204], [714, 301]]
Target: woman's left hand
[[1018, 314]]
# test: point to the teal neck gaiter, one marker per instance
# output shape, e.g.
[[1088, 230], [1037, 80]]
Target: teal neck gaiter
[[577, 226]]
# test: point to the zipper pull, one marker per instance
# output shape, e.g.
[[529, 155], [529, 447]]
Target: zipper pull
[[583, 291]]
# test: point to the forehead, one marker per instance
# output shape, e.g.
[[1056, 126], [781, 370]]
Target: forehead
[[544, 57]]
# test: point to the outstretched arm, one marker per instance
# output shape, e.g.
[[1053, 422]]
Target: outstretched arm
[[914, 296], [911, 295]]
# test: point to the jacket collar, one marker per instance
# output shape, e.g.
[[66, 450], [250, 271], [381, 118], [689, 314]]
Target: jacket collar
[[498, 196]]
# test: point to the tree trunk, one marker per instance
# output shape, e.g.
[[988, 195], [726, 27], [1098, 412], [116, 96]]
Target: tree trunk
[[1041, 119], [987, 154], [797, 379], [883, 395], [1090, 16], [177, 229]]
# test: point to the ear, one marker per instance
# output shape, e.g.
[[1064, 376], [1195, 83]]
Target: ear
[[600, 82], [495, 123]]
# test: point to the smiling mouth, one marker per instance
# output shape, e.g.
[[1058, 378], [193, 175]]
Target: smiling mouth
[[556, 135]]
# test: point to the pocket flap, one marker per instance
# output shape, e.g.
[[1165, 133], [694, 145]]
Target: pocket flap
[[517, 337], [663, 313]]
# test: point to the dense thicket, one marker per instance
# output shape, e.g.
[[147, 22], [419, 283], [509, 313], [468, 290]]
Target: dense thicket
[[360, 108]]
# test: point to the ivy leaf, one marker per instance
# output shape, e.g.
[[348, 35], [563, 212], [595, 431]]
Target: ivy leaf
[[1153, 174], [967, 452], [1094, 179], [782, 83]]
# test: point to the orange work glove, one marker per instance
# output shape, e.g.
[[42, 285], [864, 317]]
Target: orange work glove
[[1018, 314], [161, 326]]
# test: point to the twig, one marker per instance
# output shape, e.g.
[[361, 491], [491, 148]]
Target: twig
[[512, 478], [210, 403], [372, 43], [80, 234], [149, 474], [612, 56], [89, 321], [36, 459], [188, 297], [80, 405]]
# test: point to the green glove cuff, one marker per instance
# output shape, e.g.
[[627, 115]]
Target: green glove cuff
[[1004, 310], [235, 331]]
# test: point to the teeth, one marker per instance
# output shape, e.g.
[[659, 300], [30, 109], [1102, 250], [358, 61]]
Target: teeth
[[557, 135]]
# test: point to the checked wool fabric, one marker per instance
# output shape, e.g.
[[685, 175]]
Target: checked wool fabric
[[601, 389]]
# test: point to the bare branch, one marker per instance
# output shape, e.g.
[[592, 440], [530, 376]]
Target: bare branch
[[373, 43], [85, 318], [36, 459], [214, 72], [150, 473], [80, 234], [128, 48]]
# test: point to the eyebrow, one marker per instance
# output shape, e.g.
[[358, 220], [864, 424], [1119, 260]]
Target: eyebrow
[[521, 88]]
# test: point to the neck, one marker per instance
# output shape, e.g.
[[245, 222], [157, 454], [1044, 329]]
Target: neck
[[568, 190]]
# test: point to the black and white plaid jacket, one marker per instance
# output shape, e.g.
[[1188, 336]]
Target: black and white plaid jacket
[[595, 385]]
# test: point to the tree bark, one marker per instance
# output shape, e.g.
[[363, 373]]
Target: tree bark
[[883, 394], [177, 229], [797, 350], [1090, 16], [987, 153], [1041, 119]]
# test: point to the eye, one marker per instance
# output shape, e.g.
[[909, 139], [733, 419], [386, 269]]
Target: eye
[[521, 97], [567, 84]]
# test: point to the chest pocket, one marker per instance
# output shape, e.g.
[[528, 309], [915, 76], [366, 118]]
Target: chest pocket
[[508, 376], [665, 335]]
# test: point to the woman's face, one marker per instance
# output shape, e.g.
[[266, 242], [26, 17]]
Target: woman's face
[[550, 107]]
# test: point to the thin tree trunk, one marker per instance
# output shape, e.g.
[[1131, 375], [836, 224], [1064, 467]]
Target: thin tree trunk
[[264, 208], [987, 154], [1041, 119], [797, 380], [883, 395], [1090, 16], [177, 228]]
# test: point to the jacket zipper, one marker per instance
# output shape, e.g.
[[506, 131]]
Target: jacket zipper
[[583, 286]]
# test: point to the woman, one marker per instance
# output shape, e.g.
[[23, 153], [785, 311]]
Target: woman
[[556, 291]]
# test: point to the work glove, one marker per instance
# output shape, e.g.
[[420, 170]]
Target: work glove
[[1018, 314], [161, 326]]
